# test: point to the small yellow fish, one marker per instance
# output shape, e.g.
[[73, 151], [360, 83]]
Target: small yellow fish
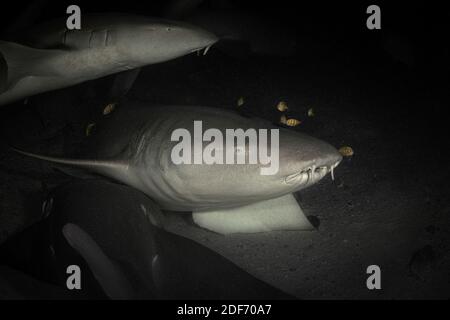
[[89, 128], [293, 122], [109, 108], [310, 112], [240, 102], [346, 151], [283, 119], [282, 106]]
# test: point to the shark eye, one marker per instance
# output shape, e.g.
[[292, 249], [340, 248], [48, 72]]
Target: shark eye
[[169, 29]]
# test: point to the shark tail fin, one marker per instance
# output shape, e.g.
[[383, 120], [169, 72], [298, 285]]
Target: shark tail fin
[[23, 61], [110, 168]]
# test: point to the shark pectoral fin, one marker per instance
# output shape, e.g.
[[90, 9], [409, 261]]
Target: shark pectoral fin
[[282, 213], [109, 276]]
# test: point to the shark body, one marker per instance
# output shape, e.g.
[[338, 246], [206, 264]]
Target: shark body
[[134, 146], [52, 57]]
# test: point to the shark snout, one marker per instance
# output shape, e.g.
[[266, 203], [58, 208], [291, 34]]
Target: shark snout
[[309, 161], [330, 157]]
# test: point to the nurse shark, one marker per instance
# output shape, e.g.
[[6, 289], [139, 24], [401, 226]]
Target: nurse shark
[[135, 144], [52, 57]]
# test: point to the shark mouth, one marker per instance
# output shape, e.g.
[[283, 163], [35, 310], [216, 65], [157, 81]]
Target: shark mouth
[[199, 50], [310, 175]]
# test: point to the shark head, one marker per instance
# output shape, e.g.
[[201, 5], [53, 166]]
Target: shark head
[[304, 160], [152, 41], [297, 162]]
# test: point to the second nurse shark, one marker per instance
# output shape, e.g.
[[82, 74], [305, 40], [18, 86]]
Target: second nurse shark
[[50, 57], [134, 146]]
